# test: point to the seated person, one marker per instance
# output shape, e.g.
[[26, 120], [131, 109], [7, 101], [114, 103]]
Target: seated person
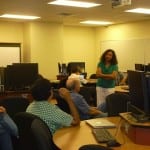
[[52, 115], [85, 111], [7, 129], [119, 78], [124, 81], [76, 74]]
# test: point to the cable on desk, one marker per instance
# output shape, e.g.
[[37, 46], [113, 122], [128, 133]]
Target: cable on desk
[[118, 127], [121, 132]]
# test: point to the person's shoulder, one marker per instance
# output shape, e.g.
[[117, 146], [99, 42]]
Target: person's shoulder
[[40, 104], [115, 66], [101, 63], [76, 96]]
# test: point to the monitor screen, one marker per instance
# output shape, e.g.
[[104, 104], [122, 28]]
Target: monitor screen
[[138, 90], [147, 68], [21, 75], [139, 67], [72, 65]]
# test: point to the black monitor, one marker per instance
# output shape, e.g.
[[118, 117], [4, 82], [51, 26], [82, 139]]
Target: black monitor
[[140, 67], [20, 75], [147, 68], [139, 89], [72, 65]]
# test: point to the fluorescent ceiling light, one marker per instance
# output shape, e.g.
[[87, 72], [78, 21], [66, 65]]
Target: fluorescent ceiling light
[[96, 22], [74, 3], [139, 10], [18, 16]]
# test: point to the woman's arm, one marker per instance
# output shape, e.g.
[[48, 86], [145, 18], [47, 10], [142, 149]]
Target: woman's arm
[[99, 74]]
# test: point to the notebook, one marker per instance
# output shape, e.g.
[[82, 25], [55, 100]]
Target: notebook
[[100, 123]]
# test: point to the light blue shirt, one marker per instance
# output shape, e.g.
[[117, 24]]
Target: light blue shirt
[[81, 105], [7, 125]]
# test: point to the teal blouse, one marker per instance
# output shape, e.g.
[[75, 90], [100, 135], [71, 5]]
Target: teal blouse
[[106, 83], [54, 117]]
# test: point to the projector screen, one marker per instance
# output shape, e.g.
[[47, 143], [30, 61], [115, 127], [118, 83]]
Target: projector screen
[[9, 53]]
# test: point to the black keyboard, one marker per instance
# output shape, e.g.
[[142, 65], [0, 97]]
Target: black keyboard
[[102, 135]]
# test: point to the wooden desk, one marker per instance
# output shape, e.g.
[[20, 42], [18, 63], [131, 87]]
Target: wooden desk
[[24, 93], [122, 89], [136, 131], [72, 138]]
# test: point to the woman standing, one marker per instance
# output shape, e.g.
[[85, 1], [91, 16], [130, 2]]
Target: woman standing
[[106, 72]]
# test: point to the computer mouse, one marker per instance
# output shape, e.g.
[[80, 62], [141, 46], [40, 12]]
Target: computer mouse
[[113, 143], [94, 147]]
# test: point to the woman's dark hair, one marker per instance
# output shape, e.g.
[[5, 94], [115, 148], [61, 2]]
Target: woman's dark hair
[[114, 60], [41, 89]]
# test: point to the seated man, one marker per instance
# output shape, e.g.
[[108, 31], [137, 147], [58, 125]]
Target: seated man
[[7, 129], [85, 111], [54, 117], [76, 74]]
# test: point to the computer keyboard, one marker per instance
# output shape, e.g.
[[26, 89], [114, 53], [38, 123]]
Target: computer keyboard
[[102, 135]]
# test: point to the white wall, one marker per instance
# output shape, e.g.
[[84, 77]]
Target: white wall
[[134, 35], [46, 47], [12, 32], [53, 43], [27, 42], [79, 45], [129, 52], [50, 43]]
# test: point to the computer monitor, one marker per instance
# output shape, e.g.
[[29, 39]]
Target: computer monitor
[[20, 75], [139, 87], [72, 65], [140, 67], [147, 68]]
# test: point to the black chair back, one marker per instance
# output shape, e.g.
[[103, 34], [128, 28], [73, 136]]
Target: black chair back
[[34, 134], [93, 76], [14, 105], [89, 93], [117, 103], [61, 103]]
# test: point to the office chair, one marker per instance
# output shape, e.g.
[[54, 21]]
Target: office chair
[[93, 76], [34, 134], [117, 103], [61, 103], [14, 105], [89, 93]]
